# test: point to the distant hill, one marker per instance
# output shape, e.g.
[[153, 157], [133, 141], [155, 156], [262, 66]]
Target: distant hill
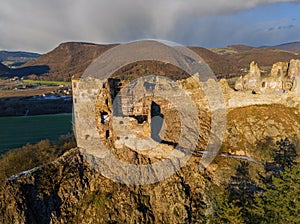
[[72, 58], [240, 47], [7, 55], [222, 65], [4, 70], [69, 59], [16, 58], [241, 56], [230, 61], [294, 47], [3, 67], [25, 71], [264, 57]]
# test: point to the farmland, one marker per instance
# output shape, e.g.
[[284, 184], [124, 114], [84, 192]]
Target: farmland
[[18, 131], [43, 82]]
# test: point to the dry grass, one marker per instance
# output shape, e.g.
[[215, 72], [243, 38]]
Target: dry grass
[[30, 156]]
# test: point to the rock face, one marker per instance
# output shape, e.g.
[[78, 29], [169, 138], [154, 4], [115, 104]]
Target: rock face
[[251, 81], [284, 77], [294, 71], [69, 190]]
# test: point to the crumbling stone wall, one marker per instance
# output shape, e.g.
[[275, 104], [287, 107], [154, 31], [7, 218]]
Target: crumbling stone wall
[[294, 74], [284, 77], [131, 126]]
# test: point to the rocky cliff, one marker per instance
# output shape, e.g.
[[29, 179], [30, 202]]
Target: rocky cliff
[[69, 190]]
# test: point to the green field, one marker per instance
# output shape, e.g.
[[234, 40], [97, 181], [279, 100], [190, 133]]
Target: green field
[[18, 131], [50, 83]]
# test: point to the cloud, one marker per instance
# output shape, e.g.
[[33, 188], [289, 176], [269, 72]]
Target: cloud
[[291, 26], [40, 25]]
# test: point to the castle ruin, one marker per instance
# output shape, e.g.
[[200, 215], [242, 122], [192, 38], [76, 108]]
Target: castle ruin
[[284, 77]]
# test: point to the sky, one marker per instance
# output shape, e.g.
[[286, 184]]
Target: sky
[[41, 25]]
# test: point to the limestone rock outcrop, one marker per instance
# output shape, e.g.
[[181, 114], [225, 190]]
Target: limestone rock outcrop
[[294, 74], [70, 190], [284, 77], [251, 81]]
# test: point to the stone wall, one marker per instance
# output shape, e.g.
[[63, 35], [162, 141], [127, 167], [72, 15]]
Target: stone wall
[[284, 77]]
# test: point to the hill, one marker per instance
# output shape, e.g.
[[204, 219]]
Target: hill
[[240, 47], [265, 57], [240, 56], [69, 59], [16, 58], [4, 70], [294, 47], [72, 58], [17, 55], [222, 65]]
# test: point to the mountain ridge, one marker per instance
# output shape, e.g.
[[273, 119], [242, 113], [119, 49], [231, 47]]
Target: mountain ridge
[[70, 59], [290, 46], [5, 54]]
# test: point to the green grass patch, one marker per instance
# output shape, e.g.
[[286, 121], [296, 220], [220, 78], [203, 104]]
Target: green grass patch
[[18, 131], [231, 81], [50, 83]]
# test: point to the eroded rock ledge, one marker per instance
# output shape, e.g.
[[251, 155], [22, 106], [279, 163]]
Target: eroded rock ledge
[[68, 190]]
